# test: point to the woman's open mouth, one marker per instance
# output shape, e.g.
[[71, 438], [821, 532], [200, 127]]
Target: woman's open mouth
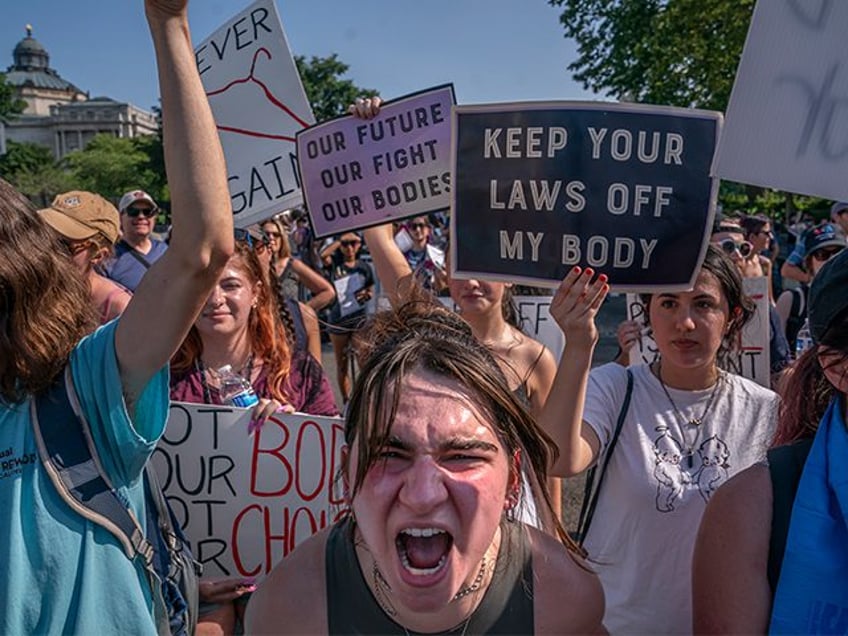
[[423, 551]]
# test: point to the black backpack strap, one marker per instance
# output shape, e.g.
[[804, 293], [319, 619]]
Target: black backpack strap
[[70, 459], [591, 491], [136, 255], [786, 463], [173, 558]]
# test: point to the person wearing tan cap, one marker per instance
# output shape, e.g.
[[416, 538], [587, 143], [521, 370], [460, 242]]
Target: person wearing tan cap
[[88, 226], [137, 250]]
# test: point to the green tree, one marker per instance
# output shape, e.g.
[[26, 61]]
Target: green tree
[[10, 105], [110, 166], [154, 165], [674, 52], [328, 94], [31, 169]]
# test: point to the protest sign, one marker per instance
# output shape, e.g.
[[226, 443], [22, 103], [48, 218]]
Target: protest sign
[[751, 359], [622, 188], [259, 106], [245, 502], [536, 321], [358, 173], [787, 122]]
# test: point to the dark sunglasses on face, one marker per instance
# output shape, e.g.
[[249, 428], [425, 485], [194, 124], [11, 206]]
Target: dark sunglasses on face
[[729, 246], [417, 226], [253, 242], [349, 243], [827, 252], [145, 212]]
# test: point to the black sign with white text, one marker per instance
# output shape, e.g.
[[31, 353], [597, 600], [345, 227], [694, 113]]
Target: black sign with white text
[[622, 188]]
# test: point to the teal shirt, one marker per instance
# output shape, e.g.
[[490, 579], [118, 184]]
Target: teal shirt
[[59, 573]]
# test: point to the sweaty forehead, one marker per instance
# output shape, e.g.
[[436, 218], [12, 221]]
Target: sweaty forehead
[[433, 408]]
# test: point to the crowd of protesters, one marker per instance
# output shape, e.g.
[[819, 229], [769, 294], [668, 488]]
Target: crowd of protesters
[[457, 424]]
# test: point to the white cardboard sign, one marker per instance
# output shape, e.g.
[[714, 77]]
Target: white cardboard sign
[[246, 501], [787, 121], [259, 105]]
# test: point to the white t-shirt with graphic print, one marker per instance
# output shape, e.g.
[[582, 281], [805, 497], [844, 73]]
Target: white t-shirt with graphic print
[[655, 491]]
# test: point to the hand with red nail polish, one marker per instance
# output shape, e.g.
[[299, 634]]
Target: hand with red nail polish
[[576, 303]]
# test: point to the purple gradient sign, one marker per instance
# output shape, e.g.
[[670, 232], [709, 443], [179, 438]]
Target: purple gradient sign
[[357, 173]]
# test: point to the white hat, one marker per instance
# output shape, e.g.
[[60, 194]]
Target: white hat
[[133, 196]]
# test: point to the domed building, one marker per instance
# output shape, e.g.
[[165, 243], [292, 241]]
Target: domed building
[[58, 114]]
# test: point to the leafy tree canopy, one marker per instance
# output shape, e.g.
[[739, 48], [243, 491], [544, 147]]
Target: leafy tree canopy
[[674, 52], [31, 169], [110, 166], [328, 94], [10, 106], [677, 53]]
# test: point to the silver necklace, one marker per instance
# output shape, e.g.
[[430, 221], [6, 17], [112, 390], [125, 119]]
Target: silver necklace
[[382, 588], [694, 422]]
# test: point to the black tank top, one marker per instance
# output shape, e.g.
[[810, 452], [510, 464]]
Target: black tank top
[[506, 608]]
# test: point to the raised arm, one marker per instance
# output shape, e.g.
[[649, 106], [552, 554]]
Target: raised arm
[[390, 264], [322, 291], [393, 272], [172, 292], [574, 307]]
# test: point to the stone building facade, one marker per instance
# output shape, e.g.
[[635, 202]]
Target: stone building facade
[[58, 114]]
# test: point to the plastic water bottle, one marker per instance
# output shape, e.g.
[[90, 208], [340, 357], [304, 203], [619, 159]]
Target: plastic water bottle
[[235, 390], [804, 340]]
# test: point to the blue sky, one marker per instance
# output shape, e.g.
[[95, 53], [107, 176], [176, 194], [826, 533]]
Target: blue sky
[[492, 50]]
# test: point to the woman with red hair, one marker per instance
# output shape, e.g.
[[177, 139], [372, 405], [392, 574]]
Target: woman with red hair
[[239, 326]]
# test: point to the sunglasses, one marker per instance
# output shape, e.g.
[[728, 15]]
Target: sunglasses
[[826, 253], [145, 212], [349, 243], [258, 243], [417, 226], [729, 246]]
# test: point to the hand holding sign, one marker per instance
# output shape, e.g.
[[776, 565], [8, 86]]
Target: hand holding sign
[[576, 303], [265, 410], [225, 590], [365, 107]]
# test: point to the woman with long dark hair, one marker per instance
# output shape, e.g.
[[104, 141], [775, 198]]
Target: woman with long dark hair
[[685, 427], [288, 273]]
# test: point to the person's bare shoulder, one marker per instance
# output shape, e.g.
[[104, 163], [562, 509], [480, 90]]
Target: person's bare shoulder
[[730, 589], [292, 600], [741, 508], [568, 595]]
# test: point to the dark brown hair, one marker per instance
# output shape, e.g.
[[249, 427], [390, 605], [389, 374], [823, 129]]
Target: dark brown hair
[[740, 305], [753, 224], [422, 335], [45, 304]]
